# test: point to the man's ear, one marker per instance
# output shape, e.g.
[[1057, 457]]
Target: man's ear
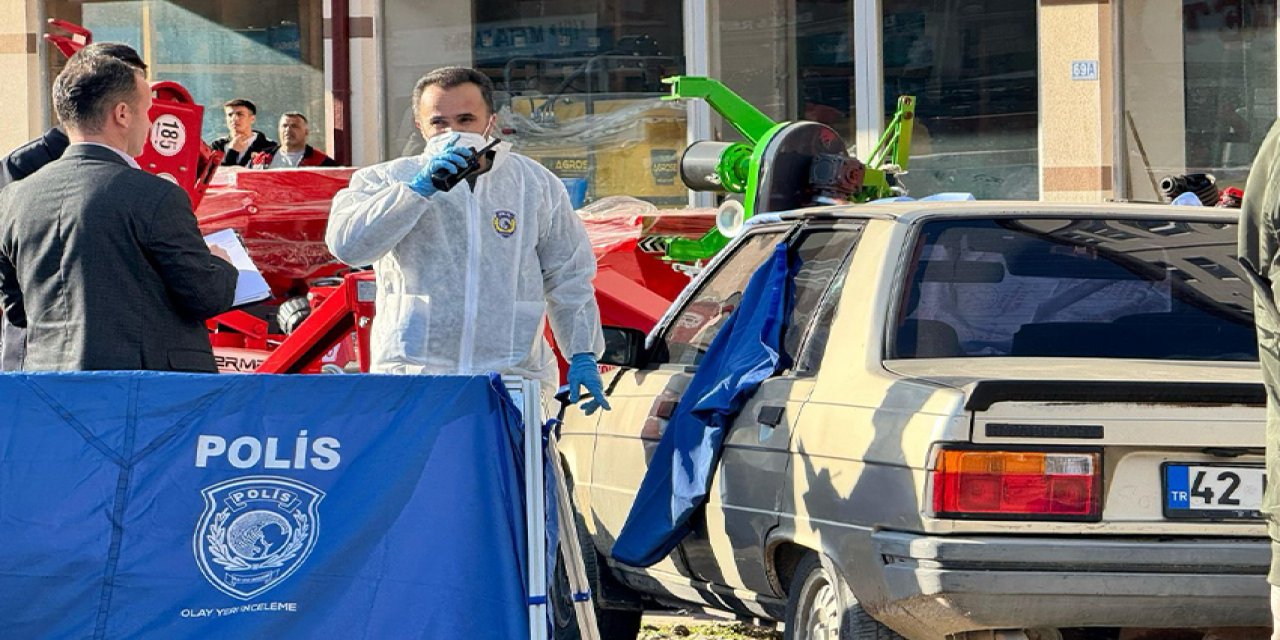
[[121, 112]]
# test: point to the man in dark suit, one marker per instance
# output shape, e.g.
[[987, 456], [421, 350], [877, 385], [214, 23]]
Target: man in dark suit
[[28, 159], [100, 261]]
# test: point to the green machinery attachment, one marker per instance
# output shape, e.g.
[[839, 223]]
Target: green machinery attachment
[[808, 163]]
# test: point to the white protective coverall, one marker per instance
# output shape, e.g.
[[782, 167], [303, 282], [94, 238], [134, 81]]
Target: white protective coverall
[[464, 279]]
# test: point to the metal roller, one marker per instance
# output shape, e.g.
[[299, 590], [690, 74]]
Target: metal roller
[[715, 166]]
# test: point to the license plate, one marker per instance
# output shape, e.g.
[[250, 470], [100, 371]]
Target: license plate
[[1213, 491]]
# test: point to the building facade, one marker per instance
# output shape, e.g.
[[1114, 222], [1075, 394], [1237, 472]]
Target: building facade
[[1065, 100]]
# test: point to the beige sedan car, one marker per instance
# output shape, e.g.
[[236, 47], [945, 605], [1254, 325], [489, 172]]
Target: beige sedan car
[[1003, 420]]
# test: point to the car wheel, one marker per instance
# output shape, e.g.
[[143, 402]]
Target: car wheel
[[820, 606], [613, 624]]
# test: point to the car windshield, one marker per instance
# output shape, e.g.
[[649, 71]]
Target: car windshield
[[1088, 288]]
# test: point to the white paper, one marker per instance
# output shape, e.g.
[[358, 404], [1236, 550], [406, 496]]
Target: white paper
[[250, 286]]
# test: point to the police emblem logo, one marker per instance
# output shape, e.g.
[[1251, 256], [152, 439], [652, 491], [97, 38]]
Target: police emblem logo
[[504, 222], [255, 532]]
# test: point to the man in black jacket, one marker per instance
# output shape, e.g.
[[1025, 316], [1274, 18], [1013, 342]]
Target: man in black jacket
[[293, 150], [25, 160], [28, 158], [242, 141], [100, 261]]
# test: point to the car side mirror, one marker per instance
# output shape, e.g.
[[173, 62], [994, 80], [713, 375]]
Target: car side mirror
[[623, 347]]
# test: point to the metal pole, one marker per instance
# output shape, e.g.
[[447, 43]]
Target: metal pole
[[697, 55], [868, 74], [571, 549], [45, 82], [527, 395], [340, 31], [1119, 127]]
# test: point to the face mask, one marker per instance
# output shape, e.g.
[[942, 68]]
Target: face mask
[[438, 142]]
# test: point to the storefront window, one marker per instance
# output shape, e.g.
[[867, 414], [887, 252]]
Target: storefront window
[[792, 59], [268, 51], [972, 65], [1199, 89], [824, 55], [578, 86]]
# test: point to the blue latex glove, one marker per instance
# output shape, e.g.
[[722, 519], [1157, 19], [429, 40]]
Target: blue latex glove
[[452, 159], [583, 372]]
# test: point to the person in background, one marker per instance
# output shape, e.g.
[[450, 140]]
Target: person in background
[[28, 158], [242, 140], [1259, 248], [101, 262], [467, 277], [293, 150]]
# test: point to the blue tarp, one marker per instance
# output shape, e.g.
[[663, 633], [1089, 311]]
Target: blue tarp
[[746, 352], [146, 505]]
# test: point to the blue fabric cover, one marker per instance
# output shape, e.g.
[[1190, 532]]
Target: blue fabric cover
[[106, 517], [747, 351]]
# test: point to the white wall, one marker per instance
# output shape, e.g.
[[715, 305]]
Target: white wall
[[21, 93]]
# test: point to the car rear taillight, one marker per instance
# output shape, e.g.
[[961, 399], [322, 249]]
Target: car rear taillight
[[1028, 485]]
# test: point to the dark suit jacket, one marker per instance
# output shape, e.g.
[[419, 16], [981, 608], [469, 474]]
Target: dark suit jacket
[[105, 267], [260, 143], [25, 160]]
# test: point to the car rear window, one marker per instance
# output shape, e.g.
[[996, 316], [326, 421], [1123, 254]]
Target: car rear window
[[1093, 288]]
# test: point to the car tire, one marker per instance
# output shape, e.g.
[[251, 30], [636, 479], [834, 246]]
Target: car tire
[[820, 606], [613, 624]]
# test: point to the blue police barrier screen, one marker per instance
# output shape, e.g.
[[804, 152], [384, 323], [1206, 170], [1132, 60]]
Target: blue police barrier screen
[[155, 505]]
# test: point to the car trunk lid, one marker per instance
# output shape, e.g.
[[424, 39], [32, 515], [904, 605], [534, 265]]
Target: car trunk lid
[[1180, 443]]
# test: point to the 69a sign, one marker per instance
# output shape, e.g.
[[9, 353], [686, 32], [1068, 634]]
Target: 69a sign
[[168, 135]]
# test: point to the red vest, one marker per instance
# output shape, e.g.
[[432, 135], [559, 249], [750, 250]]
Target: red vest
[[310, 158]]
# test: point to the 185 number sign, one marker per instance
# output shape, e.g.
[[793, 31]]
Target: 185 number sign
[[168, 136]]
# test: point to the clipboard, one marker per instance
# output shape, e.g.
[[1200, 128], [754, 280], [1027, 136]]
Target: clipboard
[[250, 285]]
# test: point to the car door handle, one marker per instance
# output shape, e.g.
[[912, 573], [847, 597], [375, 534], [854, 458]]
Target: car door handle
[[770, 415]]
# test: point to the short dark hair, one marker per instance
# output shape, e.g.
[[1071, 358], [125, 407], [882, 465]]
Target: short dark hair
[[295, 114], [241, 102], [450, 77], [118, 50], [88, 87]]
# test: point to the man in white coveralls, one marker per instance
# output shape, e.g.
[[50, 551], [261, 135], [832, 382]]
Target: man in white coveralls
[[466, 275]]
